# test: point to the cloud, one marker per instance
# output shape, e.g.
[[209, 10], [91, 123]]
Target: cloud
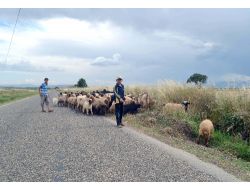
[[30, 81], [184, 39], [159, 43], [25, 66], [236, 78], [103, 61]]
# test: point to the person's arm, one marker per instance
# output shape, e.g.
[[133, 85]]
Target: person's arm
[[123, 92], [116, 93]]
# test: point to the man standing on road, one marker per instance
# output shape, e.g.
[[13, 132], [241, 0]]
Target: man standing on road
[[43, 91], [119, 100]]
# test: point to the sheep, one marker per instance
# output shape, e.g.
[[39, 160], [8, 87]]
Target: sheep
[[145, 100], [206, 130], [186, 104], [55, 101], [174, 107], [131, 108], [112, 107], [129, 100], [72, 100], [100, 107], [62, 99], [87, 106], [80, 101]]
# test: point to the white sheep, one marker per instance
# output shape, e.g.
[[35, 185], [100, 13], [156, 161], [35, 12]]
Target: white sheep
[[87, 106], [55, 101]]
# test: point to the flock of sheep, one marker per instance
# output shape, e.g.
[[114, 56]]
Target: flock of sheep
[[100, 103]]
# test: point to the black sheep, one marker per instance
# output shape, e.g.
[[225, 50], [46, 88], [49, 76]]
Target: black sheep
[[131, 108]]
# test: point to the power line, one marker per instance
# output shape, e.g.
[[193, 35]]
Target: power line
[[14, 29]]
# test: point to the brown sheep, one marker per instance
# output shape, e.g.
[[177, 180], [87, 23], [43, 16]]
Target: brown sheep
[[145, 100], [206, 130], [128, 100], [174, 107], [112, 108], [72, 101], [99, 106]]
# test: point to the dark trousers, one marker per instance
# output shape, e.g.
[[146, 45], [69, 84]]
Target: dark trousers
[[119, 113]]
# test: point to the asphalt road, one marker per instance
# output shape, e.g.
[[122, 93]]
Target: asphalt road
[[66, 146]]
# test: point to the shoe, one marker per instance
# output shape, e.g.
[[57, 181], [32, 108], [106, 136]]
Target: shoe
[[50, 110], [43, 111], [122, 124], [119, 126]]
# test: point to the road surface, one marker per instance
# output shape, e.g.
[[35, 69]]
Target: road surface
[[68, 146]]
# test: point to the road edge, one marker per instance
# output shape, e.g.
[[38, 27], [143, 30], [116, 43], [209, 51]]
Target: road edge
[[180, 154]]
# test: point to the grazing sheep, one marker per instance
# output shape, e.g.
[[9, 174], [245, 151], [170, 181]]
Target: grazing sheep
[[145, 100], [186, 104], [55, 101], [173, 107], [206, 130]]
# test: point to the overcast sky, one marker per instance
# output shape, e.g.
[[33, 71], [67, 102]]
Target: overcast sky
[[141, 45]]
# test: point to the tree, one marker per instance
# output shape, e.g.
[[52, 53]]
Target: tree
[[197, 78], [81, 83]]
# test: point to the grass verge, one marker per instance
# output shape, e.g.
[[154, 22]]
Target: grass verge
[[9, 95]]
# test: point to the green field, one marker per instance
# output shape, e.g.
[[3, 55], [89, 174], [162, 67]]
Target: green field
[[9, 95]]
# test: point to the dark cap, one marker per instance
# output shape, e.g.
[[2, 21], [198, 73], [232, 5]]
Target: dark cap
[[119, 78], [46, 79]]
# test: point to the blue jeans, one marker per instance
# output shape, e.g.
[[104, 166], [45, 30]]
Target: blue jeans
[[119, 113]]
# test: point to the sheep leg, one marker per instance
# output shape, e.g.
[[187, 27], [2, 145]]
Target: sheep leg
[[206, 141], [198, 140]]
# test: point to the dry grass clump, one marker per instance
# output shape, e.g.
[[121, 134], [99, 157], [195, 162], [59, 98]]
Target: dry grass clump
[[202, 99]]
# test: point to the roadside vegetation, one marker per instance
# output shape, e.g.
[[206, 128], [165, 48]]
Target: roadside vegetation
[[10, 94], [228, 109]]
